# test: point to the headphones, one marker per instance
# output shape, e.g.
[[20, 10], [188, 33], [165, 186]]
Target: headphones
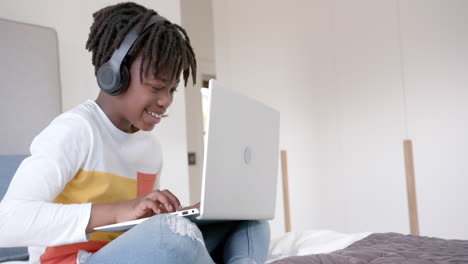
[[113, 76]]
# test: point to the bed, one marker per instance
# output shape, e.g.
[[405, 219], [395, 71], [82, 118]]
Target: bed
[[310, 242], [321, 247]]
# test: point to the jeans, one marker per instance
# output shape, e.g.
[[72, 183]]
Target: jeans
[[174, 239]]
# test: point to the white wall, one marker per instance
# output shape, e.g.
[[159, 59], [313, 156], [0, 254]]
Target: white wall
[[435, 45], [197, 19], [72, 20], [352, 79]]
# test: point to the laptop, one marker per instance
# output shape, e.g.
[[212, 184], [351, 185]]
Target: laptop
[[240, 165]]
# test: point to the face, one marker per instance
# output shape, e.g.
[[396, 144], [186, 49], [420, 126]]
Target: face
[[140, 107]]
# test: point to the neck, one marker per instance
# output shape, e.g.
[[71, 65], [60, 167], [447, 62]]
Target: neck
[[107, 104]]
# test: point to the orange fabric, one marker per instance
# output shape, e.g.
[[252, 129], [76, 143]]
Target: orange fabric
[[67, 254], [145, 183]]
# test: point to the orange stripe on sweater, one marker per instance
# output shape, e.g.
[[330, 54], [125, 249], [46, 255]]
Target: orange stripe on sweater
[[145, 183]]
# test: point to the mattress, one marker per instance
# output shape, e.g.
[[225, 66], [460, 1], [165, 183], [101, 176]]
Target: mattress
[[311, 242], [383, 248]]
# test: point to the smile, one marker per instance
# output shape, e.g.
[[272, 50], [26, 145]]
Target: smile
[[154, 114]]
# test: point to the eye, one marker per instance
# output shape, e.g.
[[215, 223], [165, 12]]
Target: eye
[[157, 89]]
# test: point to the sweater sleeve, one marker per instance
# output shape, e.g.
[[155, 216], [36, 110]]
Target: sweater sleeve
[[28, 216]]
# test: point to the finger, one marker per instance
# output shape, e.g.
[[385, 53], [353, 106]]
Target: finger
[[159, 198], [164, 198], [150, 204], [174, 200], [162, 207]]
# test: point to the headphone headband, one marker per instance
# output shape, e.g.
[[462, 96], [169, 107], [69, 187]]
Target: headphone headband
[[113, 76], [127, 43]]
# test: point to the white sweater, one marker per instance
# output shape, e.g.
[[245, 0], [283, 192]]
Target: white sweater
[[79, 159]]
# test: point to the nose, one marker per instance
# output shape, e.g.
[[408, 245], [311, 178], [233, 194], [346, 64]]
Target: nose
[[165, 99]]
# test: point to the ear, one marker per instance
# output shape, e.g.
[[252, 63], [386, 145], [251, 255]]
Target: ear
[[124, 78]]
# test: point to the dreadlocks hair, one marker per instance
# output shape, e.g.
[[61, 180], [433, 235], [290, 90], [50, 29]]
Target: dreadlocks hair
[[163, 46]]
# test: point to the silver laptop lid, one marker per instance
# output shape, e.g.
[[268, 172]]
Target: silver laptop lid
[[241, 157]]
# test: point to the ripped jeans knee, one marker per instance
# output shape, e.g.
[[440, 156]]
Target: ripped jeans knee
[[183, 227], [160, 239]]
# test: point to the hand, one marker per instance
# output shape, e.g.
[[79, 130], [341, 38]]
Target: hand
[[156, 202]]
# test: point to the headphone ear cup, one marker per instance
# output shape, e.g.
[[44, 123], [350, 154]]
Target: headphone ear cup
[[108, 79], [124, 78]]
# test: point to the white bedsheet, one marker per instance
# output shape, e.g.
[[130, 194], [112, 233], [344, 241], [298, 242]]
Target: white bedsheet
[[311, 242]]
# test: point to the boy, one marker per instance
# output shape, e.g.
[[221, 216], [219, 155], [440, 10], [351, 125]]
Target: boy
[[98, 163]]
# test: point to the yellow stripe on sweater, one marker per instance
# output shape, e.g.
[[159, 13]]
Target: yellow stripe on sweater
[[98, 187]]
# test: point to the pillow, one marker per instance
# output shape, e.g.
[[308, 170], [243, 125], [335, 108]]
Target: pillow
[[14, 254], [8, 166]]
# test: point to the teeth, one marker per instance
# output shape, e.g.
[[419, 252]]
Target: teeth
[[153, 114]]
